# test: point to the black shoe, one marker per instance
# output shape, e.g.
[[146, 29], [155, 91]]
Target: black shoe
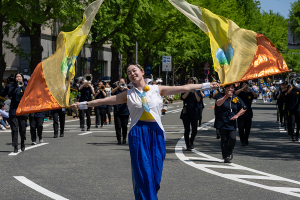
[[124, 141], [281, 125], [119, 142], [88, 129], [243, 144], [230, 157], [55, 136], [82, 129], [227, 160], [96, 126], [109, 122], [61, 135], [105, 123], [16, 149], [218, 136], [23, 147], [188, 149], [191, 144]]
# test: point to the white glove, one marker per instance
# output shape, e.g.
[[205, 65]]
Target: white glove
[[205, 86], [82, 106]]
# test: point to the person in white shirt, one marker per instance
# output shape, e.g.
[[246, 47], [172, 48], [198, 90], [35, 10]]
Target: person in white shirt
[[146, 137]]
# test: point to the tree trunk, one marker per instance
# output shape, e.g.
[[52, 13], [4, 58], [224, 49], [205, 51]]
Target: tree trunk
[[36, 47], [115, 64], [182, 75], [94, 61], [2, 61]]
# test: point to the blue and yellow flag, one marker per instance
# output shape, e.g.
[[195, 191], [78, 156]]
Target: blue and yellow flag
[[238, 54], [49, 85]]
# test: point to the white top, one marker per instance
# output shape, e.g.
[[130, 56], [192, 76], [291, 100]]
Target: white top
[[136, 109]]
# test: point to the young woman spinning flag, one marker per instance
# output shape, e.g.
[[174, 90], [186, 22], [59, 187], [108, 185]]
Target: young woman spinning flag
[[146, 136]]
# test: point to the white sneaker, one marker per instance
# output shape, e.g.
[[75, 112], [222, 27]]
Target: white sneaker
[[41, 141], [2, 127], [33, 143]]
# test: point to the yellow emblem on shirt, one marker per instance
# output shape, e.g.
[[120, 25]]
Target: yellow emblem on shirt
[[249, 97], [235, 100], [297, 92], [21, 91]]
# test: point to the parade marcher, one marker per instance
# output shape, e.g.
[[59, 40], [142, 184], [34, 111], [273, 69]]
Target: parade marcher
[[108, 107], [272, 92], [281, 103], [189, 115], [61, 114], [100, 111], [215, 113], [17, 123], [36, 121], [293, 110], [147, 136], [264, 93], [229, 108], [247, 95], [86, 91], [121, 112]]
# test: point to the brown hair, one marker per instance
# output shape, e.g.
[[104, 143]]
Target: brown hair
[[137, 65]]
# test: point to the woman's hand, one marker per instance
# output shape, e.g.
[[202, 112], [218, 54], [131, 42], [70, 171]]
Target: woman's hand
[[74, 105], [214, 85]]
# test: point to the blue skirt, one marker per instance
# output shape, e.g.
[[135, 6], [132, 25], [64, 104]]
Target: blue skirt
[[147, 152]]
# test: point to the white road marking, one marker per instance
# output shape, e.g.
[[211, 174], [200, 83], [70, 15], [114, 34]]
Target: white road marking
[[85, 133], [38, 188], [27, 148], [174, 111], [209, 168]]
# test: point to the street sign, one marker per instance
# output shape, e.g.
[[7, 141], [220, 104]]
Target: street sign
[[167, 63], [206, 72], [206, 66], [147, 69]]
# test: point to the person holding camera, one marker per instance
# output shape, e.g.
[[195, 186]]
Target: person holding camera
[[121, 112], [108, 107], [86, 90], [17, 123], [229, 108], [245, 121], [190, 115], [100, 111]]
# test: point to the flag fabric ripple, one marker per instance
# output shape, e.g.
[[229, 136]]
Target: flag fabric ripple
[[49, 85], [238, 54]]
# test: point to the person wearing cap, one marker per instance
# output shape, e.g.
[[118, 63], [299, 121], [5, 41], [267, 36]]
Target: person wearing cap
[[229, 108], [247, 95]]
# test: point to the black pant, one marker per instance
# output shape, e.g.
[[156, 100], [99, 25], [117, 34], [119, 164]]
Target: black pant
[[293, 117], [187, 122], [108, 110], [282, 115], [17, 124], [62, 118], [200, 110], [88, 117], [121, 122], [36, 126], [228, 139], [244, 124], [100, 114]]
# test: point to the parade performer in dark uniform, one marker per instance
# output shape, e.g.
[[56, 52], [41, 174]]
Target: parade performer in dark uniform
[[229, 108], [189, 115], [100, 111], [247, 95], [86, 91], [36, 121], [61, 114], [146, 137], [17, 123], [293, 96], [121, 113], [281, 103]]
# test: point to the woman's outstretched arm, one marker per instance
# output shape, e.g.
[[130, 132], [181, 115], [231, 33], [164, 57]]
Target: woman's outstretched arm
[[113, 100], [169, 90]]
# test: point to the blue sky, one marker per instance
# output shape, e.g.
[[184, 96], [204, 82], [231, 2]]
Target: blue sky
[[281, 6]]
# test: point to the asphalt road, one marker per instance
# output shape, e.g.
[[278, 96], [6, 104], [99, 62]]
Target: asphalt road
[[93, 166]]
